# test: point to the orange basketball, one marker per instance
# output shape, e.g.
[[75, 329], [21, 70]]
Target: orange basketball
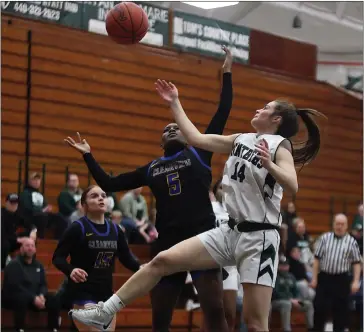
[[127, 23]]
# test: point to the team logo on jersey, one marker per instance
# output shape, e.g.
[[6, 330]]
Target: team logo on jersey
[[242, 151], [172, 166], [267, 262]]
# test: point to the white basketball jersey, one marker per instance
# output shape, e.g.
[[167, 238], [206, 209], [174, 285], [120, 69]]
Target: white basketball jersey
[[250, 192], [221, 215]]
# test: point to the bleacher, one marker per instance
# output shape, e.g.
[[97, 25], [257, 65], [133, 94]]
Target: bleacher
[[82, 82], [68, 81], [136, 316]]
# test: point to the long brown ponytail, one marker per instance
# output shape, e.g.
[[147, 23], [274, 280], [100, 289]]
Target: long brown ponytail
[[306, 151]]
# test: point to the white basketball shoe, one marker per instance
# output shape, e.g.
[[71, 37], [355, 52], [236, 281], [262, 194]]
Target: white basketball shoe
[[93, 315]]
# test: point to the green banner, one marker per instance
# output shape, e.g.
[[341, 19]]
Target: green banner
[[206, 36], [63, 12], [90, 16], [158, 34]]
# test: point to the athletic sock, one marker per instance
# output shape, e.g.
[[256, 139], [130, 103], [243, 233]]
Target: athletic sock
[[113, 305]]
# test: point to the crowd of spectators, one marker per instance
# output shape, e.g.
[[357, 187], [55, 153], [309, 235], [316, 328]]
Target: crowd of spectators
[[30, 212], [294, 287]]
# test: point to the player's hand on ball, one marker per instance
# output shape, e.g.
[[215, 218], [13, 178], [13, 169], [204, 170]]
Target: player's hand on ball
[[167, 91], [78, 275], [228, 60], [263, 153], [81, 146]]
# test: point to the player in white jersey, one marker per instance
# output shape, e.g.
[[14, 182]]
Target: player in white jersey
[[250, 240], [231, 284]]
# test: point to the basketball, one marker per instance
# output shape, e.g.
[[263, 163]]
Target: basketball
[[127, 23]]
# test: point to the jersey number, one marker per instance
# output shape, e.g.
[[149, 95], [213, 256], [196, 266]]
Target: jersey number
[[269, 183], [103, 260], [239, 172], [174, 184]]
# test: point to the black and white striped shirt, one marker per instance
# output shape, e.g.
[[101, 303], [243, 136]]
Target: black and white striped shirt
[[337, 254]]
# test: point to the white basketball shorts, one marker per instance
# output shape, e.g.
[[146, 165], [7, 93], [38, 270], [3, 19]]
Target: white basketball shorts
[[255, 254], [232, 281]]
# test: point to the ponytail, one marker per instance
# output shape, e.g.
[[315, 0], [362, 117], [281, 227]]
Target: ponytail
[[308, 150]]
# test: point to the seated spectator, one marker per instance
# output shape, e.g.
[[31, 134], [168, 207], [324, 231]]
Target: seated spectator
[[135, 218], [148, 232], [358, 218], [25, 288], [78, 213], [116, 218], [357, 233], [298, 270], [68, 198], [10, 221], [288, 215], [35, 209], [285, 297], [134, 206], [300, 239]]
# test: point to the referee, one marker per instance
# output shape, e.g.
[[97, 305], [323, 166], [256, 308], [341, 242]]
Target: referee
[[336, 256]]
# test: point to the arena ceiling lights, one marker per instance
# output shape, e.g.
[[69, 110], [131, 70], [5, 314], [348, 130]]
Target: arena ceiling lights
[[211, 5]]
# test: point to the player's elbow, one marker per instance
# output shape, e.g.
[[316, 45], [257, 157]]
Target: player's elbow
[[292, 188]]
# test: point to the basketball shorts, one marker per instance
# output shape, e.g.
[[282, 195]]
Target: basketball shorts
[[170, 237], [232, 282], [255, 254]]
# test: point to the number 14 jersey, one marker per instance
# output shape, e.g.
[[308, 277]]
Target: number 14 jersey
[[250, 192]]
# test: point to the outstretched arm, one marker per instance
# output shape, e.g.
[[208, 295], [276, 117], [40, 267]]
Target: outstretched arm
[[125, 181], [219, 120], [209, 142]]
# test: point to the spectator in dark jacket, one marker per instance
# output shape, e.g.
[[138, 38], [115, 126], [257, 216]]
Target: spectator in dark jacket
[[10, 222], [288, 214], [358, 218], [357, 233], [301, 240], [298, 270], [286, 296], [68, 198], [25, 288], [35, 209]]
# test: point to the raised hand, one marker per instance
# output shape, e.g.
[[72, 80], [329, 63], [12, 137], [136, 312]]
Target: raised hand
[[228, 60], [167, 91], [81, 146], [263, 153]]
